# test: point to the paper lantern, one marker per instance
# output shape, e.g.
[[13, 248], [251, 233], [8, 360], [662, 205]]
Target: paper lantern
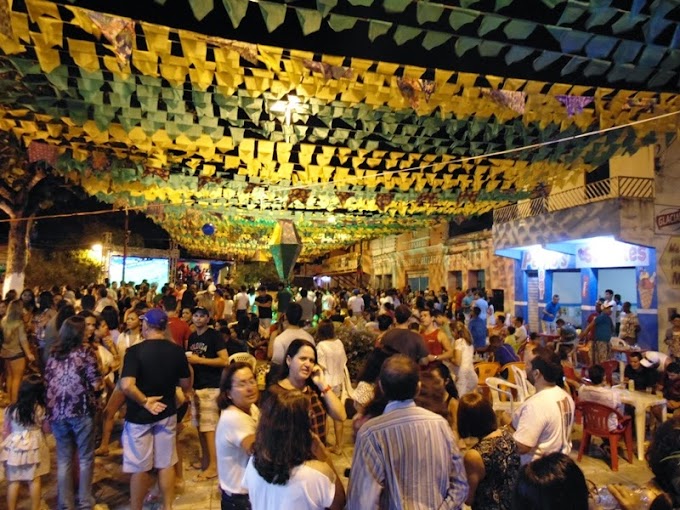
[[208, 229], [285, 245]]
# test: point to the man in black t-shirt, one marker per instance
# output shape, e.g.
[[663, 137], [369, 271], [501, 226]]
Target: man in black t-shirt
[[404, 341], [151, 372], [283, 298], [208, 356], [264, 307]]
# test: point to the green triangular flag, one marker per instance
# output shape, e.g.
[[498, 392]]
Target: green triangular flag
[[103, 115], [600, 17], [201, 8], [404, 34], [573, 65], [626, 22], [59, 78], [571, 13], [325, 6], [433, 39], [500, 4], [338, 22], [395, 5], [362, 3], [461, 17], [468, 3], [545, 59], [489, 24], [517, 53], [490, 48], [310, 20], [274, 14], [236, 9], [427, 11], [660, 78], [519, 29], [465, 44], [377, 28], [596, 68]]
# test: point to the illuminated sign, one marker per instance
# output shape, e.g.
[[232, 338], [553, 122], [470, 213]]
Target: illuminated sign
[[611, 253], [535, 258]]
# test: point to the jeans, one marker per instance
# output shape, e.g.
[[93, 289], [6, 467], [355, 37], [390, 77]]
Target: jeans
[[74, 435], [235, 502]]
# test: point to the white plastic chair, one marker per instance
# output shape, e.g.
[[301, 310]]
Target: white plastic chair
[[347, 389], [498, 386], [243, 357], [525, 388]]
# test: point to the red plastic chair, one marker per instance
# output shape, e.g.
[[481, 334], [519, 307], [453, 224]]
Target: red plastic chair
[[610, 366], [595, 418]]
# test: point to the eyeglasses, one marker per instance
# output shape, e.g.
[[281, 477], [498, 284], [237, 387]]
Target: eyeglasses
[[245, 384]]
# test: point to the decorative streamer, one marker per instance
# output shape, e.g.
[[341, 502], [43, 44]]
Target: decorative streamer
[[574, 104], [119, 31], [514, 100]]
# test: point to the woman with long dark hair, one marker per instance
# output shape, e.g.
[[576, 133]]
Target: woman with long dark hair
[[492, 465], [16, 349], [553, 481], [235, 433], [73, 379], [290, 468], [301, 372]]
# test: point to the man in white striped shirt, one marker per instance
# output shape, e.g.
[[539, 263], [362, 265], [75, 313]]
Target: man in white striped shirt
[[407, 457]]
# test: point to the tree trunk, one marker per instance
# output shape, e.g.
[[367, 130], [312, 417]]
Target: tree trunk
[[17, 254]]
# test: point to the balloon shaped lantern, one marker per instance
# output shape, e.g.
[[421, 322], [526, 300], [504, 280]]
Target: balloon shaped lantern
[[285, 245], [208, 229]]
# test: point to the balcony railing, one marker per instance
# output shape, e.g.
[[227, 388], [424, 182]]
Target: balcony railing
[[614, 187]]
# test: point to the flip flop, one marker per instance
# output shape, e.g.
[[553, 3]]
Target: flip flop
[[201, 477]]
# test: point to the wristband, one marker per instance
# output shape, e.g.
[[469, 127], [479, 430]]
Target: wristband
[[326, 390]]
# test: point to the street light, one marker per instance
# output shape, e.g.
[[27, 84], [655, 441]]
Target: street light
[[97, 252]]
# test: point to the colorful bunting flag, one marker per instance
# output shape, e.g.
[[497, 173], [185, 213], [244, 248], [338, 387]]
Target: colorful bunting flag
[[574, 104]]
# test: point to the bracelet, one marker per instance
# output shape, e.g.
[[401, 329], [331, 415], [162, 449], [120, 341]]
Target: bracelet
[[326, 390]]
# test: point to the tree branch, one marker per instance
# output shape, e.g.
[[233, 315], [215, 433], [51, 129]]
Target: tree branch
[[35, 179], [7, 209]]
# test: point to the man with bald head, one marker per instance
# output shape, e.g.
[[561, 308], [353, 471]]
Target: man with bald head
[[392, 471]]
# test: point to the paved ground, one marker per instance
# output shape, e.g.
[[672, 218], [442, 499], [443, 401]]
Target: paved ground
[[111, 487]]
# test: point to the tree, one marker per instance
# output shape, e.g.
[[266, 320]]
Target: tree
[[73, 267], [252, 273], [19, 178]]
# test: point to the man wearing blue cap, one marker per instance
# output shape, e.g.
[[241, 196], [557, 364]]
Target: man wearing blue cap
[[150, 422]]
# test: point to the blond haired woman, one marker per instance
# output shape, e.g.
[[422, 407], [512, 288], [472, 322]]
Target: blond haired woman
[[15, 348]]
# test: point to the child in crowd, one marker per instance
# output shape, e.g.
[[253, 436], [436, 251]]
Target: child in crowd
[[511, 339], [23, 452], [527, 349]]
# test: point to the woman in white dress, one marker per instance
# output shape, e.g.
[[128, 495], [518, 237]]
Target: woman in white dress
[[332, 359], [235, 434], [463, 367]]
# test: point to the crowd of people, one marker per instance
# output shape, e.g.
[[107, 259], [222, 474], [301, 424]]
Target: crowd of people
[[425, 435]]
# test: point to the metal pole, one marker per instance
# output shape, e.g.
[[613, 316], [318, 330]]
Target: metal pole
[[126, 239]]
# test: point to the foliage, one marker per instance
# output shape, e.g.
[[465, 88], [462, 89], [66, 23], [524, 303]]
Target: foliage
[[47, 268], [252, 273], [358, 342]]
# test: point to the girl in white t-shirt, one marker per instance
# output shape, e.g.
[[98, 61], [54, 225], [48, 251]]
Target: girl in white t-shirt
[[332, 359], [235, 432], [290, 469]]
